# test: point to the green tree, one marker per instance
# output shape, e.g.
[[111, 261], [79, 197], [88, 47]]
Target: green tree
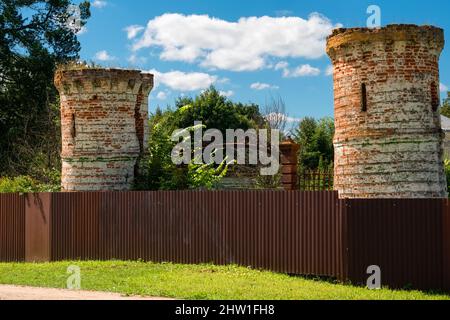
[[160, 173], [315, 138], [35, 36], [447, 172], [445, 109], [217, 111]]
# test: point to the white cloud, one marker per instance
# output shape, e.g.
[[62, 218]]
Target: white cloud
[[262, 86], [133, 31], [329, 71], [227, 94], [303, 70], [162, 95], [83, 30], [244, 45], [99, 4], [443, 87], [104, 56], [182, 81], [281, 65]]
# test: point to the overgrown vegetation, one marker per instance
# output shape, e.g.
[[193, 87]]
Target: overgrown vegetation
[[198, 282], [26, 184], [445, 109], [215, 112], [447, 172], [315, 138], [35, 36]]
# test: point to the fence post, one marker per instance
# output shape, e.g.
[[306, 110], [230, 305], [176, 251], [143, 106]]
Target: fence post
[[289, 162], [342, 205], [37, 227]]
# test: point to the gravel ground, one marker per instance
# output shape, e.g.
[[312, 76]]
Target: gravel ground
[[30, 293]]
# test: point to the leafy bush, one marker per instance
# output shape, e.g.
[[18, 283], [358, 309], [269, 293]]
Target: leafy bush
[[316, 140], [26, 184], [215, 111], [22, 184], [445, 109], [158, 172], [205, 176], [447, 172]]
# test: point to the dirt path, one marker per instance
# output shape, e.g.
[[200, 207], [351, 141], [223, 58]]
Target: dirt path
[[30, 293]]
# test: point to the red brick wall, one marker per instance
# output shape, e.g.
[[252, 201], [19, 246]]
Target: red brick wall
[[104, 127], [393, 149]]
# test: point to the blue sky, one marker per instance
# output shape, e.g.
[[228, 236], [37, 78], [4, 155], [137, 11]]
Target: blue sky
[[249, 49]]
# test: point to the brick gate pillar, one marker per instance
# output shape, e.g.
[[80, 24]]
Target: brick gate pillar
[[289, 163]]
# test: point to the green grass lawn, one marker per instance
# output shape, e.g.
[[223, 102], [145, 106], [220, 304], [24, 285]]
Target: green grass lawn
[[192, 282]]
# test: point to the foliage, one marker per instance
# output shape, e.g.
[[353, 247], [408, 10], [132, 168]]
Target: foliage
[[26, 184], [445, 109], [160, 173], [35, 36], [268, 182], [215, 111], [194, 282], [447, 172], [315, 138], [316, 180], [21, 184], [205, 176], [158, 170]]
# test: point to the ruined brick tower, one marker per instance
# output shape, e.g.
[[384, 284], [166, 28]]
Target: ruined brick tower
[[104, 127], [388, 141]]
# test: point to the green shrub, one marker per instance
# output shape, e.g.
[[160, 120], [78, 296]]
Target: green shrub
[[447, 172], [206, 176], [26, 184], [158, 172], [20, 184]]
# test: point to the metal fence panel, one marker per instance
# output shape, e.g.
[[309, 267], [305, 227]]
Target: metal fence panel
[[290, 232], [12, 227], [402, 237], [306, 233]]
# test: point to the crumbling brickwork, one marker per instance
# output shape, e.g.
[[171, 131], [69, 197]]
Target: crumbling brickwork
[[289, 164], [388, 141], [104, 126]]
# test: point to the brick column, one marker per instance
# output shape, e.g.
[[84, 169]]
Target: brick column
[[104, 114], [289, 162], [388, 140]]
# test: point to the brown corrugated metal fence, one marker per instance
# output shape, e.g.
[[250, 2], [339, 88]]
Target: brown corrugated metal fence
[[312, 233], [290, 232], [446, 244], [402, 237], [12, 227]]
